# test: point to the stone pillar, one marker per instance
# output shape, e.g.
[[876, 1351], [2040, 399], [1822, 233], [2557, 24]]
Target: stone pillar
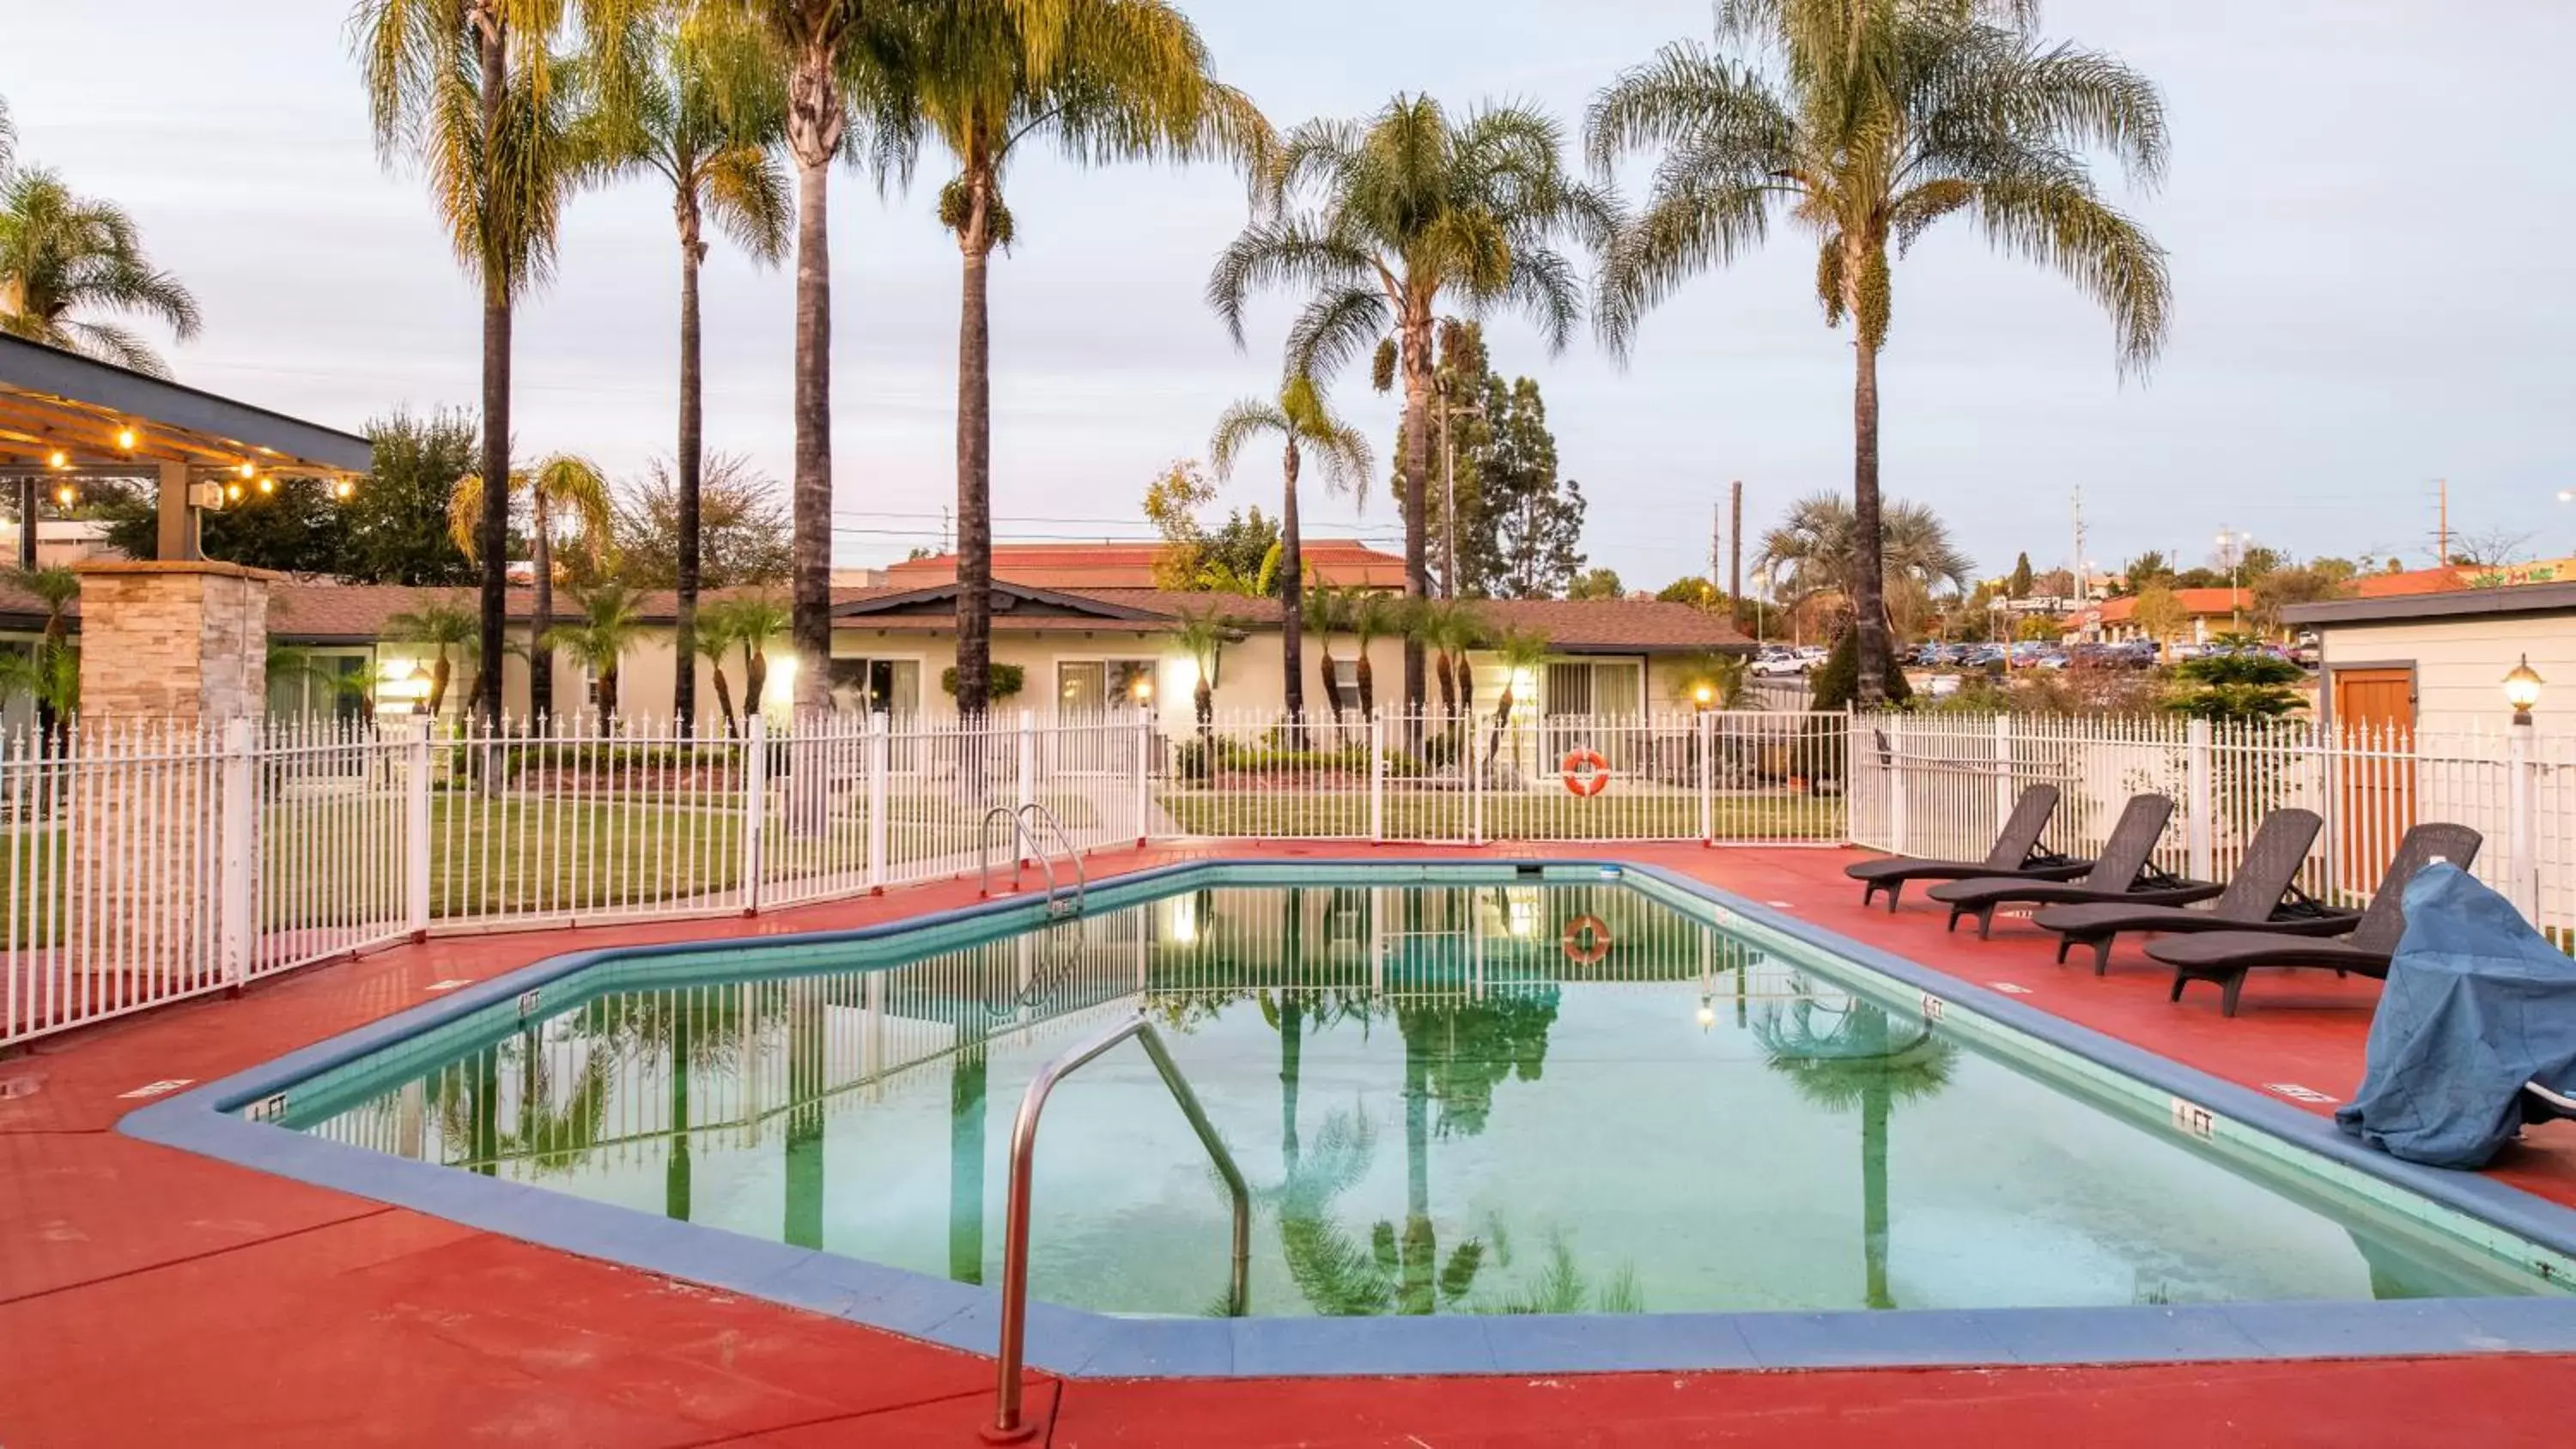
[[170, 653], [181, 642]]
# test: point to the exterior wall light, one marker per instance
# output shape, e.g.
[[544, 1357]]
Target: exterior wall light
[[2522, 690]]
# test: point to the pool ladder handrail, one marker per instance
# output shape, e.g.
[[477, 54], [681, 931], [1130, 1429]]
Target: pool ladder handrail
[[1025, 844], [1011, 1353]]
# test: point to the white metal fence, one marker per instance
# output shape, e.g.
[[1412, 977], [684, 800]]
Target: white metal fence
[[1939, 785], [143, 864]]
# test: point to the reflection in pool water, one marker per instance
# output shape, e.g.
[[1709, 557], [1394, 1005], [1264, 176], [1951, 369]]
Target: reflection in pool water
[[1450, 1100]]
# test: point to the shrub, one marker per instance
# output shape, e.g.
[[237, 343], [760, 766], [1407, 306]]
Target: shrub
[[1007, 680], [1837, 680]]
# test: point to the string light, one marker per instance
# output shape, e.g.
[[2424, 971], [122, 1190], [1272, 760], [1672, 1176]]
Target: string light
[[232, 493], [246, 470], [66, 495], [60, 459], [125, 440], [268, 483], [342, 489]]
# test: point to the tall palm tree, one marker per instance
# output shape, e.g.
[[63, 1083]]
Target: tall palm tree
[[1816, 551], [444, 625], [842, 65], [1097, 81], [707, 120], [1868, 124], [606, 629], [472, 92], [1203, 635], [1517, 652], [64, 259], [1386, 222], [560, 483], [1304, 422]]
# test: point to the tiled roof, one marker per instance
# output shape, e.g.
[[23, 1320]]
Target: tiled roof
[[2200, 603], [1341, 562], [2448, 580], [321, 613]]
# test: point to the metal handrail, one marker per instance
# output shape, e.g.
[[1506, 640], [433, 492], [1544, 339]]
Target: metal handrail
[[1081, 876], [1023, 845], [1007, 1426]]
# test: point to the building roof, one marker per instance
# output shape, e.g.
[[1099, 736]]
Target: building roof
[[2199, 603], [1340, 562], [2550, 598], [2462, 576], [55, 402]]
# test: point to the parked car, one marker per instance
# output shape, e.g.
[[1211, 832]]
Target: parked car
[[1776, 662]]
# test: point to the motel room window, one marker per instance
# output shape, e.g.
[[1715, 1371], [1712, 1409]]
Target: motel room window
[[1096, 686], [1596, 687], [876, 686]]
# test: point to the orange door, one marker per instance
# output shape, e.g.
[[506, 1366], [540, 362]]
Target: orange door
[[2374, 711]]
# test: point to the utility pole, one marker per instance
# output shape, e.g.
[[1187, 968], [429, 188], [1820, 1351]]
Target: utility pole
[[2083, 571], [945, 544], [1735, 564], [1448, 502], [2442, 531], [1716, 545]]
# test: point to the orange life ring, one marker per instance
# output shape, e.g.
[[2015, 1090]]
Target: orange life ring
[[1586, 940], [1585, 785]]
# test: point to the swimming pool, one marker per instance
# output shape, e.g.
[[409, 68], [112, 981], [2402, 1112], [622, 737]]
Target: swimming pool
[[1493, 1097]]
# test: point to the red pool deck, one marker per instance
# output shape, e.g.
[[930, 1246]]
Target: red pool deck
[[151, 1297]]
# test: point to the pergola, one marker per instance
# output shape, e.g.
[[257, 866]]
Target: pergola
[[65, 418]]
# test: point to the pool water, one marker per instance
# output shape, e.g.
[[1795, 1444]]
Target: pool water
[[1471, 1099]]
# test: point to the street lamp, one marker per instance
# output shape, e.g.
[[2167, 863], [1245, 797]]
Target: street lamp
[[2522, 691]]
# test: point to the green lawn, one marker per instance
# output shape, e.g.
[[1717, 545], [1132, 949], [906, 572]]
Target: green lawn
[[1526, 815]]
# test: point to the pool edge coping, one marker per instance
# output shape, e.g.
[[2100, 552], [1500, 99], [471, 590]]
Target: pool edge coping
[[1081, 1344]]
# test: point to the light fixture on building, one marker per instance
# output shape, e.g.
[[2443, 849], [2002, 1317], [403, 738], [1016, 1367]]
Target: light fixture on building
[[1704, 695], [1143, 690], [2522, 690]]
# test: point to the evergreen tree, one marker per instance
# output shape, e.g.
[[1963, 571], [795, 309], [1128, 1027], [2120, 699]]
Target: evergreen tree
[[2019, 587]]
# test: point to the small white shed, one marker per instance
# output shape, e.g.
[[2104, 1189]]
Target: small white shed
[[2435, 663]]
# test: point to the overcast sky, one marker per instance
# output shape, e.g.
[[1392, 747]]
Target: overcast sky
[[2369, 214]]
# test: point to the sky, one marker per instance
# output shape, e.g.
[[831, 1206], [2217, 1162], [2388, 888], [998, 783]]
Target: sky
[[2368, 215]]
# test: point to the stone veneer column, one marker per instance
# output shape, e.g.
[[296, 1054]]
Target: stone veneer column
[[170, 652]]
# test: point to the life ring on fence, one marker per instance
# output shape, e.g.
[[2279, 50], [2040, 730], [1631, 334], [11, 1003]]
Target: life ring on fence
[[1586, 774], [1586, 940]]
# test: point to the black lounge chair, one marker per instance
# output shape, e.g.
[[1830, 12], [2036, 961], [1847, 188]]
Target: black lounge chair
[[2262, 896], [2225, 956], [2016, 853], [2122, 874]]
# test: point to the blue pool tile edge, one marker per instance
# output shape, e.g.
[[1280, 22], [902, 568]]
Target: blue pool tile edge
[[1089, 1345]]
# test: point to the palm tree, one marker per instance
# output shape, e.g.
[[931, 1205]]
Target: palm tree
[[1203, 635], [1448, 629], [751, 623], [717, 634], [1304, 422], [560, 481], [606, 630], [65, 258], [1868, 125], [843, 68], [8, 138], [1851, 1056], [1517, 652], [470, 91], [1385, 223], [1324, 610], [707, 121], [1097, 81], [1373, 617], [57, 589], [1817, 552], [443, 624]]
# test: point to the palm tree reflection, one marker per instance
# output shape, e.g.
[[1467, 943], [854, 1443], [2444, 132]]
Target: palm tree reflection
[[1845, 1053]]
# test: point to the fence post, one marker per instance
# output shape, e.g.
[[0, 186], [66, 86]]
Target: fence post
[[2199, 792], [2003, 770], [1466, 756], [237, 908], [1377, 775], [880, 766], [755, 806], [416, 830], [1892, 770], [2522, 845], [1144, 772], [1707, 721]]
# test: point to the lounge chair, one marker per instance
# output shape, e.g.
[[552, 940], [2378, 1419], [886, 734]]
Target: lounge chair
[[2016, 853], [2225, 956], [2121, 874], [2263, 896]]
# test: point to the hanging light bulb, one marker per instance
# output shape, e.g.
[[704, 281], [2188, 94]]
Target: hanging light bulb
[[232, 493], [343, 489], [66, 495], [125, 440], [267, 482], [246, 470], [60, 459]]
